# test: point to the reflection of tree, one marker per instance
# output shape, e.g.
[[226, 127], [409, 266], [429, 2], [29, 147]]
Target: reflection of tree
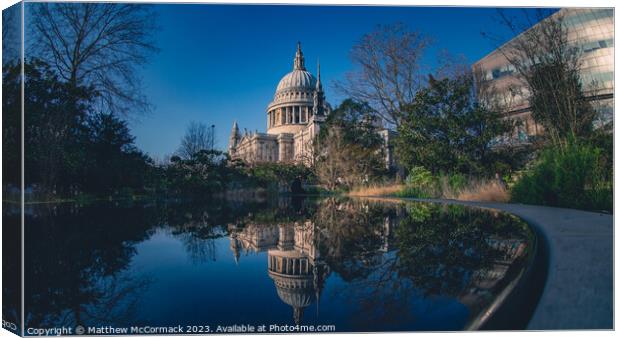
[[434, 250], [356, 245], [78, 271], [441, 251], [353, 232], [74, 259], [384, 298], [114, 300], [11, 267]]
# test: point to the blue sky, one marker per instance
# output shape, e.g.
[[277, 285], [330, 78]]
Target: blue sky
[[220, 63]]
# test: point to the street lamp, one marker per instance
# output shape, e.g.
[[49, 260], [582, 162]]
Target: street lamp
[[212, 136]]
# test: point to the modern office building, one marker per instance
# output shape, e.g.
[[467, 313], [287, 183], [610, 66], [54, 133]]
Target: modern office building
[[590, 29]]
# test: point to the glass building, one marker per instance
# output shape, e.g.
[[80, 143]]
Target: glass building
[[590, 29]]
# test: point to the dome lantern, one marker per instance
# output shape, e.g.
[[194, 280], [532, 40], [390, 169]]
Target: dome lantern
[[298, 64]]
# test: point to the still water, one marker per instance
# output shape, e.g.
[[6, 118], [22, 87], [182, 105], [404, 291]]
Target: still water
[[358, 265]]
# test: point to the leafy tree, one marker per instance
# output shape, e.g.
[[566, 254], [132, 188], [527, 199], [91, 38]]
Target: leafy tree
[[115, 162], [11, 125], [446, 130], [70, 148], [357, 122], [282, 174], [349, 147], [558, 102], [54, 127], [205, 173]]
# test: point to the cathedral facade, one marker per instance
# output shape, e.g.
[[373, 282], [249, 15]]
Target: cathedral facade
[[294, 119]]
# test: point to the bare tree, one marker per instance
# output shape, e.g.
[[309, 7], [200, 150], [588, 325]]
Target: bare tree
[[548, 64], [331, 165], [11, 34], [389, 70], [197, 137], [451, 65], [99, 45]]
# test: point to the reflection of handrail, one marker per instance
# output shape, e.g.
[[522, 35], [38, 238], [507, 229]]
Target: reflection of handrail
[[515, 308], [488, 316]]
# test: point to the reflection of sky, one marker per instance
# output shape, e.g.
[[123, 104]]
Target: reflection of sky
[[221, 292], [221, 63], [210, 293]]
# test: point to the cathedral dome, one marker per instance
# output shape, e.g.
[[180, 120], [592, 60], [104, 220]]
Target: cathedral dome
[[298, 99], [297, 80], [298, 85]]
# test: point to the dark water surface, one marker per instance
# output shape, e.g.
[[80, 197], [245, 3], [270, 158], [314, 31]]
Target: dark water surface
[[358, 265]]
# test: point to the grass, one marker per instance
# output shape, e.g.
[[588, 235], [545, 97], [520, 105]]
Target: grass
[[475, 190], [376, 190], [484, 191]]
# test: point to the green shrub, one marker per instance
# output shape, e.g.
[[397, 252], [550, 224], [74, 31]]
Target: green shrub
[[419, 177], [420, 183], [574, 177], [452, 184]]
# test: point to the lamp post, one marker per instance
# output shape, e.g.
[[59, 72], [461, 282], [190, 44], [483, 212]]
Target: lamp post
[[212, 136]]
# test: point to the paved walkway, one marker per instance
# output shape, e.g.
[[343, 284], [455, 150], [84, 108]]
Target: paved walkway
[[578, 293]]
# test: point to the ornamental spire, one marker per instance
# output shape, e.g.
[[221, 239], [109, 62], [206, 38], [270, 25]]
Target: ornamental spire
[[299, 59], [234, 138], [319, 86]]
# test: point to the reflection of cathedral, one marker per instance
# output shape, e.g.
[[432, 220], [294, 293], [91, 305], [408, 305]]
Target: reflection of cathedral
[[293, 260], [367, 250]]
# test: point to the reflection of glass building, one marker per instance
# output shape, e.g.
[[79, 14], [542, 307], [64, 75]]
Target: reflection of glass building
[[592, 30], [484, 283]]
